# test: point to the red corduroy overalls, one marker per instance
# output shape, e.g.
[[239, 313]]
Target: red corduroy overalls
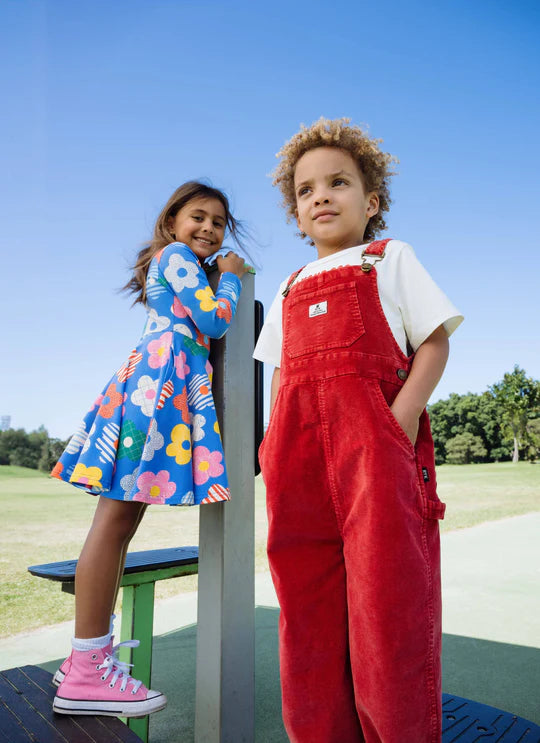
[[353, 538]]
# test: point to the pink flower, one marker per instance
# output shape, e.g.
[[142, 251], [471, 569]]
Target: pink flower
[[154, 488], [206, 464], [178, 308], [180, 365], [159, 350]]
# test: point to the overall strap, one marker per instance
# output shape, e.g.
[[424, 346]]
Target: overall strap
[[290, 282], [376, 250]]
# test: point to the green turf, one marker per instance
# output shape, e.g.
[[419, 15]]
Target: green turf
[[44, 520]]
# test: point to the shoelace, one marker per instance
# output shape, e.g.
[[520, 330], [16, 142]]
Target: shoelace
[[119, 669]]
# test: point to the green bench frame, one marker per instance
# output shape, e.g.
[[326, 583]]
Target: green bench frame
[[142, 571]]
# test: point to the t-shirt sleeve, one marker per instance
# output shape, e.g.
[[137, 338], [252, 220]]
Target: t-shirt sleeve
[[268, 348], [423, 305]]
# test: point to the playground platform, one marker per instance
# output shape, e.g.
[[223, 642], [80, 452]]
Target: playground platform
[[491, 643]]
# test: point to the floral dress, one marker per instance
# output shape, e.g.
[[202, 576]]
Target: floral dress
[[153, 435]]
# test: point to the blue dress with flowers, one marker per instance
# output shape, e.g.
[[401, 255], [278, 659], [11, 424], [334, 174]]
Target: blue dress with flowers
[[153, 435]]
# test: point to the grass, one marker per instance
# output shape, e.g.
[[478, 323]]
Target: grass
[[45, 520]]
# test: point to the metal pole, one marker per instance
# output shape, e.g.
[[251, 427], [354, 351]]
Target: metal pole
[[225, 678]]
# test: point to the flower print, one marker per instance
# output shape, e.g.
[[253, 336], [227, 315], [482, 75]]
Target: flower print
[[76, 442], [57, 470], [166, 392], [128, 367], [230, 288], [179, 327], [154, 442], [155, 284], [206, 464], [180, 402], [200, 392], [154, 487], [156, 323], [188, 499], [216, 428], [224, 310], [206, 299], [181, 366], [178, 308], [97, 402], [197, 423], [159, 351], [180, 446], [86, 444], [180, 273], [196, 348], [145, 395], [217, 493], [90, 476], [107, 443], [203, 340], [111, 400], [131, 442], [127, 483]]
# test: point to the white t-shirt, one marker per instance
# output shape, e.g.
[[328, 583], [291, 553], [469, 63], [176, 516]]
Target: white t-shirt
[[412, 302]]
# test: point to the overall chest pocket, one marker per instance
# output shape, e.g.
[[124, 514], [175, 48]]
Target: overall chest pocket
[[321, 320]]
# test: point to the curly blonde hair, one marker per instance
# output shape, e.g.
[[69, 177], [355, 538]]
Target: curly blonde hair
[[374, 165]]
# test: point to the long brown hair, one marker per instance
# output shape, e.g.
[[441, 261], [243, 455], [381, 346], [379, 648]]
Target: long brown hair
[[163, 236]]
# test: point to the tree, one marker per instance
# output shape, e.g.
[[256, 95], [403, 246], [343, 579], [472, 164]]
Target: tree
[[465, 448], [518, 399], [477, 414], [532, 442]]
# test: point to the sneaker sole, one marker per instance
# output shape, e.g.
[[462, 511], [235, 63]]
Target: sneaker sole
[[110, 709]]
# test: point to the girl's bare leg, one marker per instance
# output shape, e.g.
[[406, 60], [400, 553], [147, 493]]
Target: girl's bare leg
[[99, 565], [125, 551]]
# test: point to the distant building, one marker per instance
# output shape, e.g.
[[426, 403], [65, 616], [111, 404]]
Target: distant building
[[5, 422]]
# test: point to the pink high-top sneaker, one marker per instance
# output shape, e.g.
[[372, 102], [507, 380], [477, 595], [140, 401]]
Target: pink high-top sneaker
[[97, 683], [64, 666], [61, 672]]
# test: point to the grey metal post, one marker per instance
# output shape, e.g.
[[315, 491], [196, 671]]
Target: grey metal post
[[225, 679]]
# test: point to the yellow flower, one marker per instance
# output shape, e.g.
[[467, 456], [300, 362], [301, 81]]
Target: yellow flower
[[206, 299], [177, 448], [90, 476], [216, 427]]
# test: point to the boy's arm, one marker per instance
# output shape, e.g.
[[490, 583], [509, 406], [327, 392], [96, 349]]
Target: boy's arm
[[426, 370], [274, 387]]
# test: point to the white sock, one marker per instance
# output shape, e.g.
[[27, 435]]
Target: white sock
[[90, 643], [111, 624]]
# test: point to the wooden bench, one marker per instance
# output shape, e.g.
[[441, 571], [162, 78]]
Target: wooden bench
[[141, 572], [26, 715]]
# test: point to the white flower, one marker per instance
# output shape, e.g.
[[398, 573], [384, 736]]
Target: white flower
[[127, 483], [197, 422], [154, 442], [181, 328], [181, 273], [77, 440], [156, 323], [145, 396]]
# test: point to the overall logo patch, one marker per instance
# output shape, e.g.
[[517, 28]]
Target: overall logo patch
[[321, 308], [425, 474]]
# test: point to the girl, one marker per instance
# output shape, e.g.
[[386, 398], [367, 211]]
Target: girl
[[359, 338], [152, 436]]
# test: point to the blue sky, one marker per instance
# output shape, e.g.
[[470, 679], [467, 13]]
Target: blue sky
[[109, 106]]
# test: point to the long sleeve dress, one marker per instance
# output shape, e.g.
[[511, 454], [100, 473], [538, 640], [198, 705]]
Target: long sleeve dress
[[152, 435]]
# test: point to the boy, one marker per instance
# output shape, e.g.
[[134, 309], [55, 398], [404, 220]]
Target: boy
[[359, 338]]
